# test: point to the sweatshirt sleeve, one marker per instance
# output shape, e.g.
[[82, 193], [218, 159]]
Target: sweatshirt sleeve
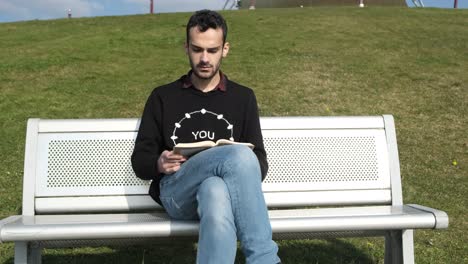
[[253, 134], [148, 143]]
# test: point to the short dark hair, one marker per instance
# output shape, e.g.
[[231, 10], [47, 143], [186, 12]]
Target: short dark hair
[[206, 19]]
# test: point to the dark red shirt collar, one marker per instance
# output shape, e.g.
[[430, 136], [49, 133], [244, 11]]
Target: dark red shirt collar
[[187, 82]]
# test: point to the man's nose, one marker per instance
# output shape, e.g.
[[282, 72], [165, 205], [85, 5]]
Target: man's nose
[[204, 56]]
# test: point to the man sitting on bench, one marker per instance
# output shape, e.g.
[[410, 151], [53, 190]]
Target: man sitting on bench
[[220, 186]]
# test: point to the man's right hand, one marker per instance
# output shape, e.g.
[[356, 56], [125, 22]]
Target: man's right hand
[[169, 162]]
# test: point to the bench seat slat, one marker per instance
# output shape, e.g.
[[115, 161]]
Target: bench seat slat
[[111, 226], [98, 204], [101, 204]]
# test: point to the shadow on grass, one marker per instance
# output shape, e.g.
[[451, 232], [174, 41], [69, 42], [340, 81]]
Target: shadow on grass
[[321, 251], [332, 251]]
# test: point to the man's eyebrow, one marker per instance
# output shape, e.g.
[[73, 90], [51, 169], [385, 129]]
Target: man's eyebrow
[[198, 47], [195, 46]]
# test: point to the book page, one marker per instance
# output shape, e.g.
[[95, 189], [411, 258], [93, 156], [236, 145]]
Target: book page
[[206, 144], [189, 149]]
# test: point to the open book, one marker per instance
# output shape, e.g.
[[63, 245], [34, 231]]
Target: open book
[[189, 149]]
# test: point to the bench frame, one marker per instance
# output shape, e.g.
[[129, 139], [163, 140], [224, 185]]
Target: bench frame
[[387, 215]]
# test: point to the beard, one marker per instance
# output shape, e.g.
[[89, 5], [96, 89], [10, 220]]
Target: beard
[[196, 69]]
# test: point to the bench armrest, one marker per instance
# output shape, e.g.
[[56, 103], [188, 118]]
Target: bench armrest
[[441, 217], [6, 221]]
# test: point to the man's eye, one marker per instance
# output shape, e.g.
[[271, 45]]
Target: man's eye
[[212, 50], [196, 50]]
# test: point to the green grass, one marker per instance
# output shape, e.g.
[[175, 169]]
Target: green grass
[[411, 63]]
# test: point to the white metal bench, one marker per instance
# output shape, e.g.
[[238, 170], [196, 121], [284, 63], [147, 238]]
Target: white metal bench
[[80, 189]]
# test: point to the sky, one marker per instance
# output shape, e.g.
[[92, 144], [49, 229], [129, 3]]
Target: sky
[[18, 10]]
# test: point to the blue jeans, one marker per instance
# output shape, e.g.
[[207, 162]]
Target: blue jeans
[[221, 187]]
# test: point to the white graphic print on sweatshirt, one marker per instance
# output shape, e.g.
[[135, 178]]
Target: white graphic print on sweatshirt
[[198, 134]]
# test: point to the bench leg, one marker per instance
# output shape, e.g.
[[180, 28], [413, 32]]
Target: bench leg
[[25, 254], [399, 247]]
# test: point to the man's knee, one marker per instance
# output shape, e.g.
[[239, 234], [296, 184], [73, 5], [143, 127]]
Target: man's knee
[[242, 162], [213, 188], [213, 197], [242, 156], [242, 152]]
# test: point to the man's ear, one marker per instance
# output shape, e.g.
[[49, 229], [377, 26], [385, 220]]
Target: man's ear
[[186, 47], [225, 49]]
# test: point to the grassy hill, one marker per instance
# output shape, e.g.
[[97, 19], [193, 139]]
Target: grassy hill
[[411, 63]]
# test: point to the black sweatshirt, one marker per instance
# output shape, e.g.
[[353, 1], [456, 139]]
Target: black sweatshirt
[[175, 114]]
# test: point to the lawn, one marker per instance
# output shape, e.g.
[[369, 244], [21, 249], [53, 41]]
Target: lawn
[[319, 61]]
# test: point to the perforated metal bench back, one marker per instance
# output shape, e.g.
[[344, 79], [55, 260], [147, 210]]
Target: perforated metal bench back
[[303, 160], [86, 158], [77, 164]]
